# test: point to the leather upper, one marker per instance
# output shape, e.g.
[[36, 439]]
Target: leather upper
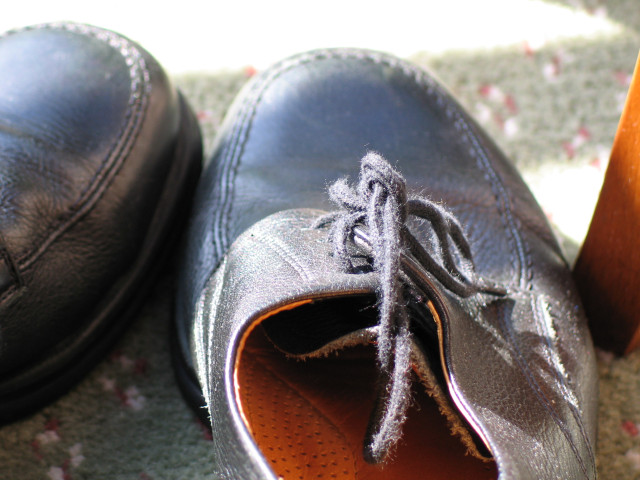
[[520, 369], [89, 126]]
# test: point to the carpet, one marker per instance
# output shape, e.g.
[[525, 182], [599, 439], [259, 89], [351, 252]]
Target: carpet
[[553, 108]]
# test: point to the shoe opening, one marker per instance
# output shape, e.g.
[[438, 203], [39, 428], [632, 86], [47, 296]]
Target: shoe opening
[[308, 413]]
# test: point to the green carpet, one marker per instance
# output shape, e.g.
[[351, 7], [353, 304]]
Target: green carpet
[[554, 110]]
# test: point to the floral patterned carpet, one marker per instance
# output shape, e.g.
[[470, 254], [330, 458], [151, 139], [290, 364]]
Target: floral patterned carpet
[[552, 105]]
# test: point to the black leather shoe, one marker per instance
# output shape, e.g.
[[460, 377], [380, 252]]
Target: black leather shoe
[[388, 327], [98, 156]]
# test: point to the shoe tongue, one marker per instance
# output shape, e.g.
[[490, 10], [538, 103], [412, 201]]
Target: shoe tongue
[[322, 325]]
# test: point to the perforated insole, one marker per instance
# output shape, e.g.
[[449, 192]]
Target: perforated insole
[[309, 418]]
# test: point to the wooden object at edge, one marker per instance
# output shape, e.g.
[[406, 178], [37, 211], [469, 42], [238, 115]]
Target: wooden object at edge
[[607, 270]]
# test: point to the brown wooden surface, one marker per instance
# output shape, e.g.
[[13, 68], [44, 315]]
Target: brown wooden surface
[[608, 268]]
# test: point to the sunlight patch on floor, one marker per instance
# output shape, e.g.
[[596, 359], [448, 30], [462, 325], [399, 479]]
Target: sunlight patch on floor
[[192, 35]]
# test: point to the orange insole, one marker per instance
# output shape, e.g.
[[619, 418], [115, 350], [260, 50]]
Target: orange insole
[[309, 419]]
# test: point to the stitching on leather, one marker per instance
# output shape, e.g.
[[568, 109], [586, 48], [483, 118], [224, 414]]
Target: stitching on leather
[[503, 202], [279, 248], [538, 392], [559, 371], [231, 157], [137, 104]]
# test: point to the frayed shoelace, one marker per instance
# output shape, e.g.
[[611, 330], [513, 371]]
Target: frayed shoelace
[[373, 217]]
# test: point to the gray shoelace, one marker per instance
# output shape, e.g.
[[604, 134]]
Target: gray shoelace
[[373, 216]]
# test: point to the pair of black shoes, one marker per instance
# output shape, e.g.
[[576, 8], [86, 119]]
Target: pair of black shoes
[[409, 321]]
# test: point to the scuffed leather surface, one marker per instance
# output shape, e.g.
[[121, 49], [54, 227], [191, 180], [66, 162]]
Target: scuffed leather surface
[[522, 368], [82, 110]]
